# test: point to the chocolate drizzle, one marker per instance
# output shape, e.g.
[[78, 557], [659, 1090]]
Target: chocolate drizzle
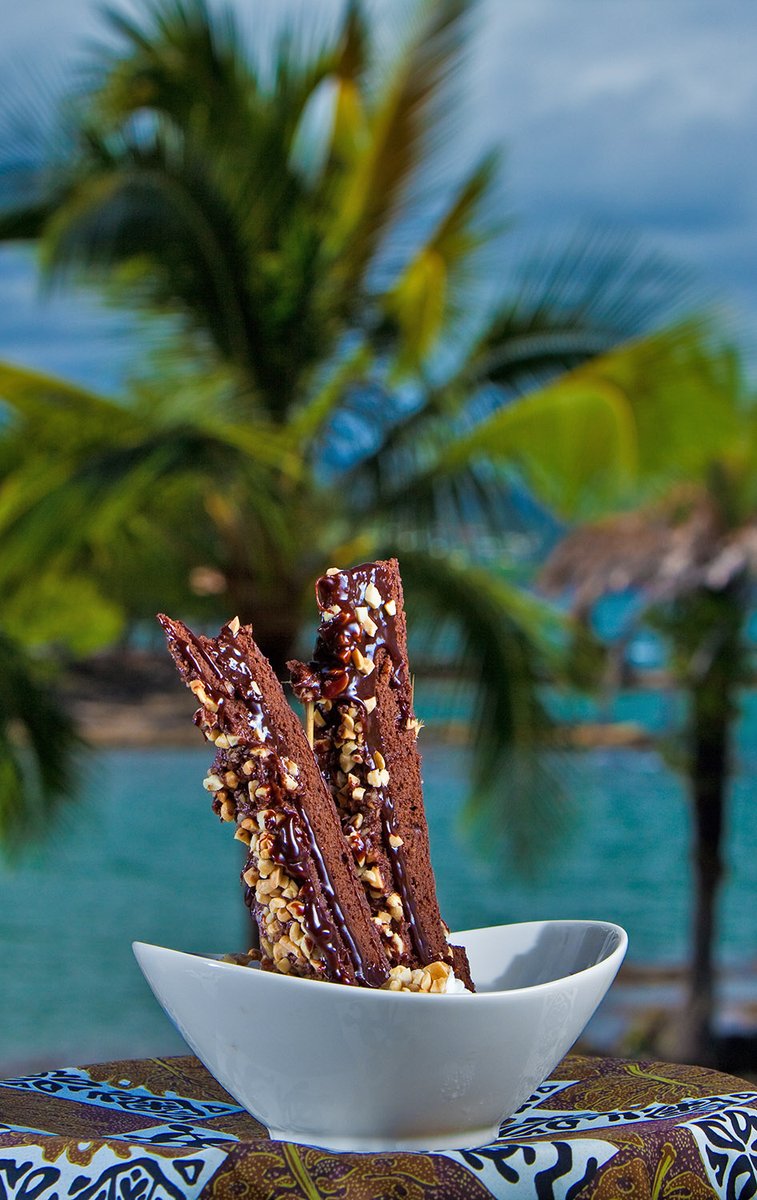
[[290, 853], [340, 634], [226, 660], [399, 869], [295, 845], [333, 675]]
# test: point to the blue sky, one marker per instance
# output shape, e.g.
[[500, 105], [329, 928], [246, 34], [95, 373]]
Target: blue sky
[[628, 114]]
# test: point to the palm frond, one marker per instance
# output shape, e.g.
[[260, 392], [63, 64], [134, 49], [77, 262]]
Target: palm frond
[[197, 198], [332, 127], [568, 308], [155, 201], [399, 129], [244, 126], [309, 420], [164, 59], [574, 445], [39, 750], [66, 613], [352, 58], [34, 395], [70, 507], [643, 416], [510, 645], [687, 404], [429, 291], [24, 224], [570, 303]]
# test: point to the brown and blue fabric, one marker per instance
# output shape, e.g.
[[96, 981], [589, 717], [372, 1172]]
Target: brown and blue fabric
[[163, 1129]]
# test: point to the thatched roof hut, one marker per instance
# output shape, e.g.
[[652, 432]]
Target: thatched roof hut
[[668, 550]]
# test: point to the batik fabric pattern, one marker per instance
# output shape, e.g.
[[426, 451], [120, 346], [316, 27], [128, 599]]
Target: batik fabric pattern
[[163, 1129]]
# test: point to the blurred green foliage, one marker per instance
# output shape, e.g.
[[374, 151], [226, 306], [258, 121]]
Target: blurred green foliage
[[690, 549], [322, 379]]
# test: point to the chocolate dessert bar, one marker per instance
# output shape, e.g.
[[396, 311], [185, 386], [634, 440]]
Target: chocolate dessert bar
[[301, 885], [365, 733]]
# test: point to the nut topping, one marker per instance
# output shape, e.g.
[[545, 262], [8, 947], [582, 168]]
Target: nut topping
[[226, 741], [198, 688], [363, 664], [431, 978], [366, 621], [373, 596], [372, 876]]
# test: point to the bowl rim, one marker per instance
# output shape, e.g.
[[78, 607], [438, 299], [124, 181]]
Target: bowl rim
[[618, 953]]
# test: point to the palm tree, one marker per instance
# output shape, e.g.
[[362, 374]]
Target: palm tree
[[130, 500], [693, 553], [330, 385]]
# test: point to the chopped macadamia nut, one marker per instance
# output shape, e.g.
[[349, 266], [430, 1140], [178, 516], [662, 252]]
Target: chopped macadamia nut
[[373, 596]]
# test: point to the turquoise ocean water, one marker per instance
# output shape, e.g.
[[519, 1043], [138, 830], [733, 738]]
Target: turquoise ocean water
[[141, 857]]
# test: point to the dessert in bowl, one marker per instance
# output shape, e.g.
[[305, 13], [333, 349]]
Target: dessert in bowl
[[354, 1068], [338, 871], [359, 1025]]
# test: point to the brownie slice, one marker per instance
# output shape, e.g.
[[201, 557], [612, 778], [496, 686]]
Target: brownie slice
[[365, 734], [301, 884]]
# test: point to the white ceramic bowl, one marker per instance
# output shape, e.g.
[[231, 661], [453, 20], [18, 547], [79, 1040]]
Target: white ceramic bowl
[[357, 1069]]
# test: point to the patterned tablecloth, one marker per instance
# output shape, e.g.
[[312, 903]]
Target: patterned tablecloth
[[160, 1128]]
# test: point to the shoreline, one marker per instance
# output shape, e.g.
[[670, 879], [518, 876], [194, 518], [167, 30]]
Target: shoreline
[[135, 701]]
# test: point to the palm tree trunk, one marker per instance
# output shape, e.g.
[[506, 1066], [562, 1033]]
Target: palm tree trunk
[[713, 706], [710, 738], [275, 619]]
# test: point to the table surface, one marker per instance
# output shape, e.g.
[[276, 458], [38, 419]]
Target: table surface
[[164, 1129]]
